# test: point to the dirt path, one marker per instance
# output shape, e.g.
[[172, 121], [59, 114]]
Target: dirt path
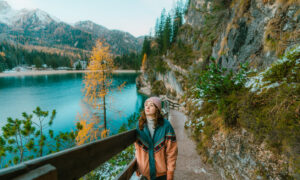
[[189, 165]]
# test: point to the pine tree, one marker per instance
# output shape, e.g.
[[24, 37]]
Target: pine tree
[[42, 124], [160, 32], [167, 34], [38, 62], [146, 47], [18, 134], [156, 28], [177, 20], [2, 149]]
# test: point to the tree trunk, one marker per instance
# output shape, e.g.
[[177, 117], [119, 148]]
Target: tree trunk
[[41, 136], [104, 113]]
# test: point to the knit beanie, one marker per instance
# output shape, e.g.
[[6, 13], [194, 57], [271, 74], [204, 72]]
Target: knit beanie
[[155, 101]]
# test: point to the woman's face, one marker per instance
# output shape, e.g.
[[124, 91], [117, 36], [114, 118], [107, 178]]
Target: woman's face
[[149, 108]]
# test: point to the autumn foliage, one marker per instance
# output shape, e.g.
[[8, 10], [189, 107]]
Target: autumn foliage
[[98, 80], [144, 62], [97, 84]]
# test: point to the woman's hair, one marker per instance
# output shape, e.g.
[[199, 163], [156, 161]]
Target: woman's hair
[[158, 120]]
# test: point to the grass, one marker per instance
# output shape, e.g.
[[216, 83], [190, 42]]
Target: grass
[[287, 69]]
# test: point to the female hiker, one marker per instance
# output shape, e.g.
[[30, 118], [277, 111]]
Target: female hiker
[[156, 146]]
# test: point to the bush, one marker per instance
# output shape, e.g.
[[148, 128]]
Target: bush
[[213, 84], [286, 69], [158, 88], [183, 54], [161, 66]]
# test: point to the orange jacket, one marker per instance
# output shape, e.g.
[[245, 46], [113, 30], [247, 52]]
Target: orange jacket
[[156, 156]]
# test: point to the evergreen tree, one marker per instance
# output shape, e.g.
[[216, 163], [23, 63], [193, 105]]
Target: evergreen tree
[[18, 134], [19, 137], [42, 124], [160, 32], [167, 34], [146, 47], [2, 149], [177, 20], [38, 62], [156, 28]]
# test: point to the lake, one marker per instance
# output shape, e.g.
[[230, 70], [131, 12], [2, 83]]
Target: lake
[[63, 92]]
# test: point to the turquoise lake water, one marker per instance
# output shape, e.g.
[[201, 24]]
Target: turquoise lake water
[[62, 92]]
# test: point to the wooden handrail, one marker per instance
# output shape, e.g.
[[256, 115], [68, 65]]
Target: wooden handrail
[[169, 104], [75, 162], [45, 172]]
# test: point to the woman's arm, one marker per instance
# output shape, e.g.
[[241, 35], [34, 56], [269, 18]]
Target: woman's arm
[[137, 169], [171, 152]]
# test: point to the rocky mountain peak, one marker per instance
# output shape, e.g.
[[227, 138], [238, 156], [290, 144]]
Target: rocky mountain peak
[[90, 26], [43, 16]]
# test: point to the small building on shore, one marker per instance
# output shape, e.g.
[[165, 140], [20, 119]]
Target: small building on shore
[[79, 65]]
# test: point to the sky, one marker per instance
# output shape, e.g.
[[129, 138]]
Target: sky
[[134, 16]]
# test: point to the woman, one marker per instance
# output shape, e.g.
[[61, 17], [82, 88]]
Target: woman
[[156, 146]]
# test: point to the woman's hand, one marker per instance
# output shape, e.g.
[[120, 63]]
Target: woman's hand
[[170, 176]]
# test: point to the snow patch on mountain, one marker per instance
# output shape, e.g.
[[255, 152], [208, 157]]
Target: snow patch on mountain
[[22, 17]]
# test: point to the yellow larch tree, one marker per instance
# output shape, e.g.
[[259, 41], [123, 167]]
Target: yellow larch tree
[[97, 84], [143, 68]]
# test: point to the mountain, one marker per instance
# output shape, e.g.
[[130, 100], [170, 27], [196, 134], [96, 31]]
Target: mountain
[[37, 27], [119, 41]]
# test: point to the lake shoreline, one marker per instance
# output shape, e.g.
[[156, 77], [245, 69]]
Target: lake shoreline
[[49, 72]]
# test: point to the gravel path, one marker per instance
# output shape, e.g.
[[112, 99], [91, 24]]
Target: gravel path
[[189, 165]]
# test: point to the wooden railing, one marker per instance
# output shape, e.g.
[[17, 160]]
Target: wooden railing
[[75, 162], [170, 104]]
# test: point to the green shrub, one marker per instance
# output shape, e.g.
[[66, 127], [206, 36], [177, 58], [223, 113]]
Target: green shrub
[[158, 88], [183, 54], [214, 84], [161, 66], [286, 69]]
